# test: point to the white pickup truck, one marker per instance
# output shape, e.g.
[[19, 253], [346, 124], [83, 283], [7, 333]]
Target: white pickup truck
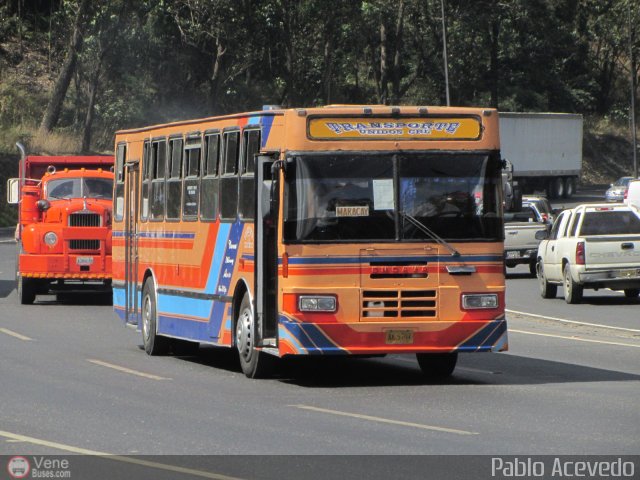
[[591, 246]]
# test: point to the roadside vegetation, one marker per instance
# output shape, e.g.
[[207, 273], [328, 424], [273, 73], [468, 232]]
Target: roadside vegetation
[[72, 72]]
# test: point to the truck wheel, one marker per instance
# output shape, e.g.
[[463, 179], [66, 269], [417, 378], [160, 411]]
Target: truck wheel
[[556, 188], [437, 366], [254, 363], [153, 343], [547, 290], [533, 268], [572, 291], [569, 187], [26, 290], [631, 292]]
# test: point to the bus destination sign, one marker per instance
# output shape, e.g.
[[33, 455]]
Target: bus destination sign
[[462, 128]]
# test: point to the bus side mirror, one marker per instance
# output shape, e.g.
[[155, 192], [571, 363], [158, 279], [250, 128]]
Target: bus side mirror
[[13, 191]]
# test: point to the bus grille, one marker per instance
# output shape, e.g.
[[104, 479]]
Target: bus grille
[[85, 220], [84, 244], [398, 304]]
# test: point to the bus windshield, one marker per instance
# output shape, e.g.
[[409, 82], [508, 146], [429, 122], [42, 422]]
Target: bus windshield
[[65, 188], [379, 197]]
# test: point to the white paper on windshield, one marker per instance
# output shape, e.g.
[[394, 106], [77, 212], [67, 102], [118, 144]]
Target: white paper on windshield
[[383, 194]]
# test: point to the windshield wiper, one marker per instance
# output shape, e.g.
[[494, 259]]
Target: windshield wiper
[[430, 233]]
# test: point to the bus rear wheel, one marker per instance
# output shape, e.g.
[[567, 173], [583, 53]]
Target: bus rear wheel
[[254, 363], [437, 366], [153, 343]]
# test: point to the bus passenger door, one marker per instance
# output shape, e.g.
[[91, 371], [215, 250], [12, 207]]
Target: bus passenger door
[[131, 243], [266, 253]]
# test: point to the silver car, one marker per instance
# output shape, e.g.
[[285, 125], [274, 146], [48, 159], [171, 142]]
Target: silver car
[[615, 193]]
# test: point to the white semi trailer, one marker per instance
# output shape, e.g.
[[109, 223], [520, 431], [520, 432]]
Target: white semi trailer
[[545, 150]]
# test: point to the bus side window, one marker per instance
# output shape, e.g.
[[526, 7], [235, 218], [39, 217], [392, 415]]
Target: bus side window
[[250, 148], [191, 188], [229, 178], [146, 181], [158, 179], [209, 186], [118, 208], [174, 179]]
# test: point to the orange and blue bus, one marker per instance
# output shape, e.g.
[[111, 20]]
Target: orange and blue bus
[[341, 230]]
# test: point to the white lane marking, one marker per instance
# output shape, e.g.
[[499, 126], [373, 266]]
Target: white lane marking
[[385, 420], [577, 339], [116, 458], [573, 321], [126, 370], [13, 334]]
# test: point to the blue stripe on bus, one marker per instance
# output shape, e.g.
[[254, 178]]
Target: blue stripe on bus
[[266, 121], [486, 337], [225, 272], [170, 235], [218, 255], [368, 259], [173, 304], [178, 327]]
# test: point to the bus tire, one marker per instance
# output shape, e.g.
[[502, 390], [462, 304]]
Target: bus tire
[[437, 366], [547, 290], [631, 292], [572, 291], [153, 343], [254, 363], [26, 290]]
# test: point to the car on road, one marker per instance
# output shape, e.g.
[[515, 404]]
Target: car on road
[[591, 246], [615, 193], [543, 205]]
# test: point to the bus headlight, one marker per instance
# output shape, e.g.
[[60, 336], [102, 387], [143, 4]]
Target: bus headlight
[[50, 238], [480, 301], [317, 303]]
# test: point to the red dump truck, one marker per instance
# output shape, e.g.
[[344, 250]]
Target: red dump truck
[[64, 224]]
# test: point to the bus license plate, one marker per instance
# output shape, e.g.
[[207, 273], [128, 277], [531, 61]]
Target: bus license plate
[[399, 337], [84, 261]]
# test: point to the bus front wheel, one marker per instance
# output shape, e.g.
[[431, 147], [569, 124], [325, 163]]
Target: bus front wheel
[[153, 343], [437, 365], [254, 363]]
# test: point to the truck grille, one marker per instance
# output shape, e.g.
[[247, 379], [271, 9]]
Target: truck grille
[[84, 244], [399, 304], [85, 220]]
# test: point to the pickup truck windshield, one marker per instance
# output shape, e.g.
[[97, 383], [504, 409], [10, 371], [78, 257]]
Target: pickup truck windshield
[[620, 222], [66, 188], [369, 197]]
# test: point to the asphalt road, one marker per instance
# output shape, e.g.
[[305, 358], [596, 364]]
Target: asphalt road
[[75, 380]]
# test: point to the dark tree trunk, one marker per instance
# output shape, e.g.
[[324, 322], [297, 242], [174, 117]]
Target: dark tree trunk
[[52, 113], [494, 70], [93, 94]]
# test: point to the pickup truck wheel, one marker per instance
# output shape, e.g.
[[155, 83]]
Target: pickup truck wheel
[[533, 268], [572, 291], [547, 290], [631, 292]]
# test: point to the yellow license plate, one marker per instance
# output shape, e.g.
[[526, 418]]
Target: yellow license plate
[[399, 337]]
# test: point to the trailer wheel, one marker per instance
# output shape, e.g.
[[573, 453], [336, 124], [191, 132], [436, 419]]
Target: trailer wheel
[[556, 188], [437, 366], [569, 187], [26, 290], [631, 292]]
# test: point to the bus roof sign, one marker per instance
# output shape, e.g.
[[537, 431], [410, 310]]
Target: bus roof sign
[[410, 128]]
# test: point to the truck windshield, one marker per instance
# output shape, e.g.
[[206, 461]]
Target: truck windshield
[[65, 188], [370, 197]]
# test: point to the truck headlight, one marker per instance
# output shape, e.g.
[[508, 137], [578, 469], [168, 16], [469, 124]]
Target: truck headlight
[[480, 301], [317, 303], [50, 238]]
